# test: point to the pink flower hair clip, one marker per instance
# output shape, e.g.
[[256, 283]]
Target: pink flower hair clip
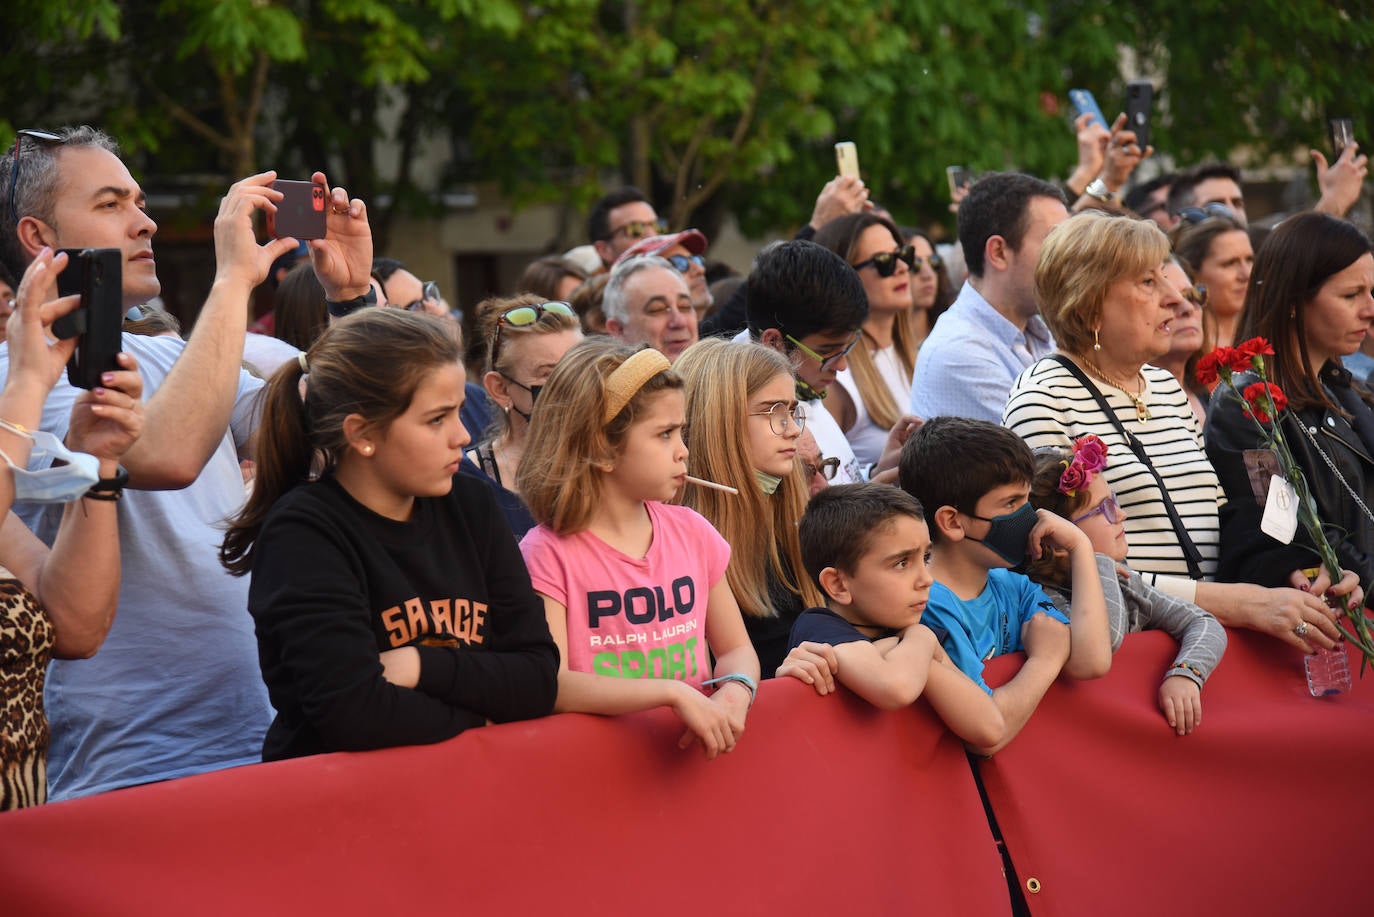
[[1089, 458]]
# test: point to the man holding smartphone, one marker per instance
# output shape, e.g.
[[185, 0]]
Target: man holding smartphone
[[176, 689]]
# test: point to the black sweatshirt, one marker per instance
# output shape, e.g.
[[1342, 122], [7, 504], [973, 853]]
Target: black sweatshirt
[[334, 584]]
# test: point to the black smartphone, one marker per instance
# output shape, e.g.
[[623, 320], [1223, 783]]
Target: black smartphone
[[1085, 104], [959, 177], [1342, 135], [97, 274], [301, 211], [1140, 95]]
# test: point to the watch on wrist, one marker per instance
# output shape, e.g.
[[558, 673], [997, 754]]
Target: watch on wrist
[[110, 488], [344, 307], [1097, 188]]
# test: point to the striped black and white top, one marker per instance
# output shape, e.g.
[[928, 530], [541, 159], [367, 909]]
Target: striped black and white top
[[1049, 407]]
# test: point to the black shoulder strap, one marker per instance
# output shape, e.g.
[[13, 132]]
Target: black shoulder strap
[[1191, 555]]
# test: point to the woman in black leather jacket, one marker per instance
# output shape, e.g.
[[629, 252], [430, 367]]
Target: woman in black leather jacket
[[1310, 296]]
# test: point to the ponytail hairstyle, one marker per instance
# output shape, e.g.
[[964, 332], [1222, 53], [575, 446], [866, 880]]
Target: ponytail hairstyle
[[560, 478], [721, 377], [368, 363], [842, 237]]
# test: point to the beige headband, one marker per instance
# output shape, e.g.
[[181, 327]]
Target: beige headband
[[629, 377]]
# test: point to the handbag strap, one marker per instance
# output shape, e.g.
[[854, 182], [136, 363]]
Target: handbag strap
[[1191, 555]]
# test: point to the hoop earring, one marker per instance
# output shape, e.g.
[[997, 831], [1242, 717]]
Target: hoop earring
[[1096, 344]]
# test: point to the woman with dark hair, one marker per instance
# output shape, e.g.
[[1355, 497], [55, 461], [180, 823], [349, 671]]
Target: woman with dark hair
[[1215, 250], [875, 389], [299, 313], [931, 290], [1311, 299], [552, 277]]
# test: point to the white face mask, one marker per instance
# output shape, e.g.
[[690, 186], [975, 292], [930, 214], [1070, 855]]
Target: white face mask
[[56, 483]]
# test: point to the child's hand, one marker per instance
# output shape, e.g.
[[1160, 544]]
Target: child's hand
[[1055, 533], [1181, 700], [1046, 637], [401, 666], [707, 722], [734, 699], [812, 663]]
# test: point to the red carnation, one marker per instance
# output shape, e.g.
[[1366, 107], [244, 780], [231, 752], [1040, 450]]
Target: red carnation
[[1255, 347], [1206, 371], [1236, 358], [1264, 401]]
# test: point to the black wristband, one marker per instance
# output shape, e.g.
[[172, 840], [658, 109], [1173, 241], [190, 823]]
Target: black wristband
[[340, 309], [110, 488]]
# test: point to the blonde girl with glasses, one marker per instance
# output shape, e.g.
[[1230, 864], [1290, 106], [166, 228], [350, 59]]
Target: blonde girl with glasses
[[634, 588], [523, 338], [743, 429], [1070, 484]]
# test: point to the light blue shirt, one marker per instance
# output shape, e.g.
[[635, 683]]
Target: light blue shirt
[[972, 356]]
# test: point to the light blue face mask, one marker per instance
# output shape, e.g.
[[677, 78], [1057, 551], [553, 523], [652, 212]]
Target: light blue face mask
[[56, 483]]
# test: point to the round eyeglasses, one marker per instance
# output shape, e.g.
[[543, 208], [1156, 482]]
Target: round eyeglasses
[[779, 413], [827, 468]]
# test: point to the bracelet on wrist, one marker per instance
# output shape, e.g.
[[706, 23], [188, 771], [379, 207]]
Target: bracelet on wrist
[[739, 678], [340, 308], [109, 489], [1098, 189]]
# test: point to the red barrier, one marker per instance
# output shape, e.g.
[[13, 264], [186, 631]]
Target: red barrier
[[827, 806], [1260, 811]]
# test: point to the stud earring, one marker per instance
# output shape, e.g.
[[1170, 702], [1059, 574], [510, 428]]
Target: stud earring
[[367, 450], [1096, 344]]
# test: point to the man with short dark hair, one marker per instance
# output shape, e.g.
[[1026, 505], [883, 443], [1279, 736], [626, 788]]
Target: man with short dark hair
[[619, 220], [1208, 183], [993, 330], [1150, 200]]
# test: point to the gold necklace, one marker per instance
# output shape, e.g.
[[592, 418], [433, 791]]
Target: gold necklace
[[1142, 410]]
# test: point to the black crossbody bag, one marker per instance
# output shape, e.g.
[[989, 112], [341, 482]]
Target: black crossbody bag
[[1191, 555]]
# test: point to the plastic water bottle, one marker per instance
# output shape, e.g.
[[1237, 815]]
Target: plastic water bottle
[[1328, 671]]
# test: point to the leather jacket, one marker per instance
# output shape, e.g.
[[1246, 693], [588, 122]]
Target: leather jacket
[[1249, 555]]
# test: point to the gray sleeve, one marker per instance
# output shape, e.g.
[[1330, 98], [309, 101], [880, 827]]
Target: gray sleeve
[[1118, 615], [1201, 637]]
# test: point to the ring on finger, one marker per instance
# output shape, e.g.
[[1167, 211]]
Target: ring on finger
[[1301, 630]]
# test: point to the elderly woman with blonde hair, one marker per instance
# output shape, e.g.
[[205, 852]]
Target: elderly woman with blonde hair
[[1105, 296]]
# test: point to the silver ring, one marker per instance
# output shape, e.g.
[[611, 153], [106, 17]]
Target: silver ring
[[1301, 629]]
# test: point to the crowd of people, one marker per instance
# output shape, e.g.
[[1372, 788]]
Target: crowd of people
[[870, 462]]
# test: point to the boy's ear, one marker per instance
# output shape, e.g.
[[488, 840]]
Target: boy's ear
[[948, 525], [836, 585], [772, 337]]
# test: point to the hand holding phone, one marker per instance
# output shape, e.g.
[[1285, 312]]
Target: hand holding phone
[[1342, 135], [1139, 100], [1085, 104], [959, 178], [847, 159], [97, 324], [301, 211]]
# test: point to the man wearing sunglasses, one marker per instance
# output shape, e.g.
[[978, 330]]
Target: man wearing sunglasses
[[993, 330], [619, 220], [647, 302], [176, 688], [683, 250]]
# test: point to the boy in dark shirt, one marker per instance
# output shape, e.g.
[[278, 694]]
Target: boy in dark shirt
[[868, 549], [977, 476]]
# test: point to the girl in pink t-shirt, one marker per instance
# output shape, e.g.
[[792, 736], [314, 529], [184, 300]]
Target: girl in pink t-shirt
[[634, 589]]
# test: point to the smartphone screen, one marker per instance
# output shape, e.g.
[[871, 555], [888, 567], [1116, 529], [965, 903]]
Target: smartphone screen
[[1342, 135], [959, 177], [1085, 104], [1139, 98], [301, 211], [847, 159]]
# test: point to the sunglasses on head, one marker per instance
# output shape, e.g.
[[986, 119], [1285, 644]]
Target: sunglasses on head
[[683, 262], [524, 316], [885, 263], [1109, 508], [827, 468], [638, 229], [428, 292], [41, 137], [1206, 212]]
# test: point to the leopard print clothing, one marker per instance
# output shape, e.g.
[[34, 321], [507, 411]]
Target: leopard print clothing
[[26, 637]]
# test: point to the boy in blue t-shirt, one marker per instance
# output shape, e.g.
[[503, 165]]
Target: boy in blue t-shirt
[[977, 476], [867, 547]]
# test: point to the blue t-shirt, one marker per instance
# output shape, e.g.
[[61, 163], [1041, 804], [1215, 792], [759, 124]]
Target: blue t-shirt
[[988, 625]]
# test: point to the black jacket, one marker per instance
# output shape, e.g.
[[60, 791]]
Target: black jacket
[[1249, 555]]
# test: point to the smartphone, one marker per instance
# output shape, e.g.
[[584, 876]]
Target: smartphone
[[300, 213], [847, 159], [97, 274], [959, 177], [1085, 104], [1140, 96], [1342, 135]]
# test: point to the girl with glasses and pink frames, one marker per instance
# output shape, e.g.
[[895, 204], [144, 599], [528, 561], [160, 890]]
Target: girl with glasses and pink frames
[[1070, 483]]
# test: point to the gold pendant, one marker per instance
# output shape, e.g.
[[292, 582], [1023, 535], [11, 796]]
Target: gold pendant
[[1142, 411]]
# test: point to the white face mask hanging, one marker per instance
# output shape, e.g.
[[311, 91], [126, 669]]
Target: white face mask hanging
[[56, 483]]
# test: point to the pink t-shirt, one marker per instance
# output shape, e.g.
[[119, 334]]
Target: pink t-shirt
[[634, 617]]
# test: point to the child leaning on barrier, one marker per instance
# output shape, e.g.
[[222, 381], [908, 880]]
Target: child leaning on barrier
[[1070, 484]]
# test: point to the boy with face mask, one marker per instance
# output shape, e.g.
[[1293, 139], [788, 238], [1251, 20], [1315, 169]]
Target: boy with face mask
[[974, 478]]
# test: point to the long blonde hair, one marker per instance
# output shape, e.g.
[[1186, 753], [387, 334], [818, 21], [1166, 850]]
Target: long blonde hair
[[721, 376], [558, 476], [842, 237]]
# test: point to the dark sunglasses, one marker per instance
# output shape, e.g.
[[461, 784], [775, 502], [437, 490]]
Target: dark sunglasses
[[683, 262], [523, 317], [430, 292], [885, 263], [638, 229], [1206, 212], [1196, 294], [827, 468], [42, 137], [1108, 508]]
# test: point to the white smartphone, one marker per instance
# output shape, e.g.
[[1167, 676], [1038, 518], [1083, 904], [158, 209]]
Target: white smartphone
[[847, 159]]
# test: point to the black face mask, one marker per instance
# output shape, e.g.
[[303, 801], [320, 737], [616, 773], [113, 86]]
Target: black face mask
[[1008, 535], [534, 391]]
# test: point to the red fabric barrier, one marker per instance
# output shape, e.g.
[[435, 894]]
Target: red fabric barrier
[[827, 805], [1259, 811]]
